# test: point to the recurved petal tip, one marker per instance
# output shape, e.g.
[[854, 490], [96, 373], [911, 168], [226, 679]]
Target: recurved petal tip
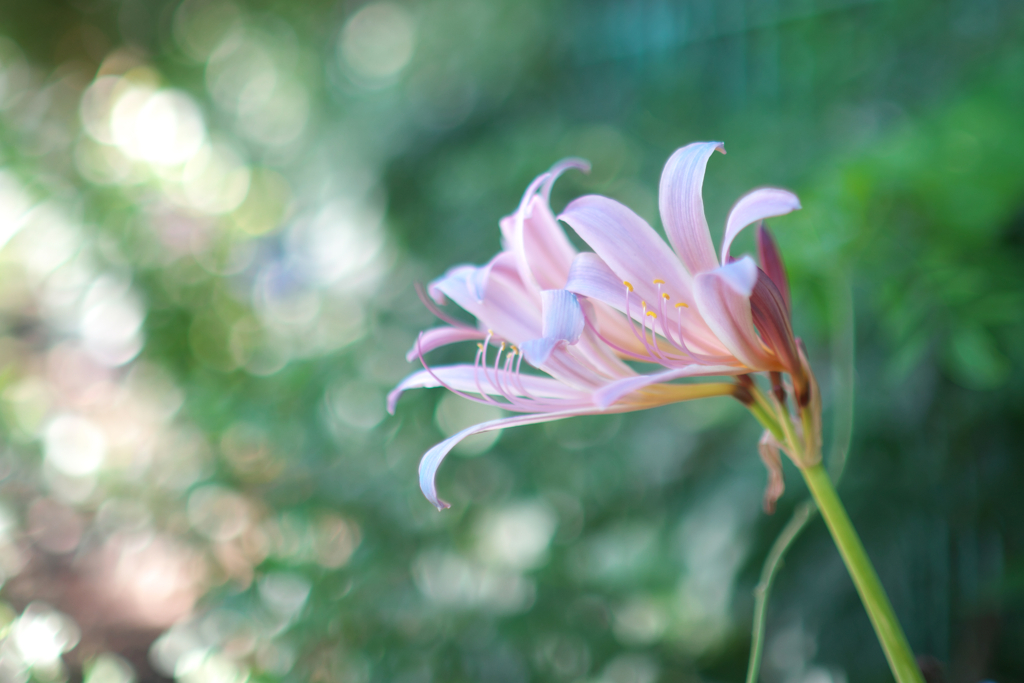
[[682, 206], [392, 400], [765, 202]]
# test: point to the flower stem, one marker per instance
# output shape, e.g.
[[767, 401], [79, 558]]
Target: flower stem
[[803, 513], [887, 628]]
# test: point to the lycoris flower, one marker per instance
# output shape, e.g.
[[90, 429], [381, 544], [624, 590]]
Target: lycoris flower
[[577, 317]]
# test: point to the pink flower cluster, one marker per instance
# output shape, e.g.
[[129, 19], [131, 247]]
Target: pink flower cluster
[[576, 317]]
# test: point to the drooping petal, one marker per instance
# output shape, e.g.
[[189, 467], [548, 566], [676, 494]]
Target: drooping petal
[[614, 391], [629, 246], [432, 459], [768, 447], [682, 206], [762, 203], [723, 300], [436, 337], [771, 263], [562, 325], [467, 378]]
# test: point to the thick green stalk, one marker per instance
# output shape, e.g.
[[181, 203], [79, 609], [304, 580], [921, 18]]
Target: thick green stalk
[[887, 628]]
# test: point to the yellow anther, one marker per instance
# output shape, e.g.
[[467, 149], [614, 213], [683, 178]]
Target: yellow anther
[[682, 305], [652, 314], [513, 350], [490, 332], [664, 295], [659, 282], [480, 346], [628, 286], [643, 304], [502, 347]]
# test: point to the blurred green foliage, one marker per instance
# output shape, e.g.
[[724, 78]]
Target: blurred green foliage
[[199, 321]]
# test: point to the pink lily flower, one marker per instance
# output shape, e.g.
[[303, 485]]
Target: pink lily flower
[[704, 309], [573, 315], [523, 311]]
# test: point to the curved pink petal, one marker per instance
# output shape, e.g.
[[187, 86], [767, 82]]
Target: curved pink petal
[[472, 379], [506, 306], [542, 250], [558, 169], [754, 206], [436, 337], [630, 247], [562, 325], [682, 206], [433, 458], [566, 365], [591, 277], [723, 298]]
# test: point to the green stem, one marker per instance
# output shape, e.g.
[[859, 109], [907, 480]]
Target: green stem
[[803, 513], [887, 628]]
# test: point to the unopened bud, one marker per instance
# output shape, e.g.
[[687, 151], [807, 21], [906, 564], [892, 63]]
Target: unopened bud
[[742, 391], [777, 388]]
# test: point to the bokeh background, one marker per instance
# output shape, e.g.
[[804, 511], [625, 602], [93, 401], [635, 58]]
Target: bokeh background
[[213, 214]]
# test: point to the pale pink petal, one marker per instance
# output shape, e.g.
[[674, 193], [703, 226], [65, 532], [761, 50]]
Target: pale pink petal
[[558, 169], [740, 275], [682, 207], [723, 301], [506, 307], [563, 318], [549, 252], [595, 352], [592, 278], [467, 378], [613, 391], [566, 366], [562, 325], [437, 337], [543, 252], [762, 203], [630, 247], [432, 459], [458, 284]]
